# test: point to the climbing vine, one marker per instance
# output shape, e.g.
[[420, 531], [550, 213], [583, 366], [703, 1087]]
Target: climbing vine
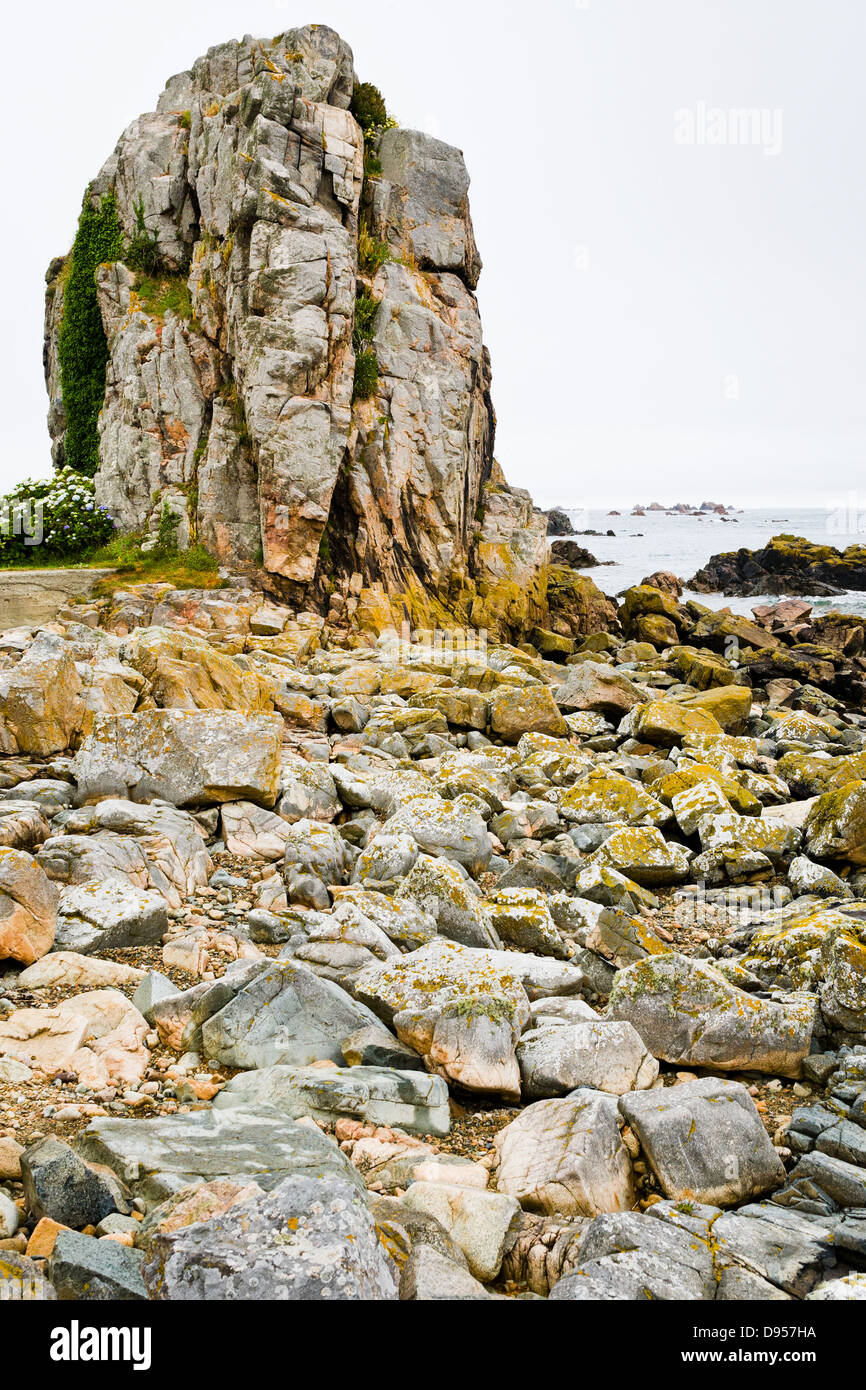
[[82, 347]]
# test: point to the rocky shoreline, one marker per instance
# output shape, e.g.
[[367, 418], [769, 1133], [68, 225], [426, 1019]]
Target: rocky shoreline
[[402, 919], [481, 974]]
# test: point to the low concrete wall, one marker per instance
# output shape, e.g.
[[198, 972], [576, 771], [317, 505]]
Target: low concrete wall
[[30, 597]]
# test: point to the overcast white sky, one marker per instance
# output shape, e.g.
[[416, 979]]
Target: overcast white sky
[[667, 320]]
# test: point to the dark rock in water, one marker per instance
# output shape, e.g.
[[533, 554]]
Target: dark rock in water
[[787, 565], [559, 522], [570, 553]]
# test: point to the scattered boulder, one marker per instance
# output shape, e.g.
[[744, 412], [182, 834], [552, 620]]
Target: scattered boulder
[[705, 1142], [59, 1185], [28, 907], [687, 1013], [310, 1238], [410, 1100], [558, 1056], [104, 1271], [188, 758], [286, 1015], [566, 1157], [458, 1008], [478, 1222], [109, 915]]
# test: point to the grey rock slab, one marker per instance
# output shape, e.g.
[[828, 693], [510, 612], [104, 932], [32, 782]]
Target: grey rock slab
[[824, 1178], [310, 1238], [413, 1100], [687, 1012], [846, 1141], [186, 757], [632, 1276], [783, 1247], [376, 1047], [261, 1143], [705, 1141], [431, 1277], [618, 1232], [558, 1057], [107, 915], [87, 1269], [738, 1285], [153, 989], [478, 1222], [286, 1015], [566, 1157]]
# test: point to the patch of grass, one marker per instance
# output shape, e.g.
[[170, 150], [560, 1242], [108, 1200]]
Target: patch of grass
[[166, 536], [195, 568], [165, 294], [229, 394]]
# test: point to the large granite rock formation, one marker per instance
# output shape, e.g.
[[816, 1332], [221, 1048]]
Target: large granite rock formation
[[230, 382]]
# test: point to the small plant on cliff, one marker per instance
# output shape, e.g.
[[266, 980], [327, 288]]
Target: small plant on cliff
[[366, 375], [366, 309], [371, 253], [229, 394], [166, 536], [82, 347], [49, 519], [368, 107], [366, 361], [142, 252]]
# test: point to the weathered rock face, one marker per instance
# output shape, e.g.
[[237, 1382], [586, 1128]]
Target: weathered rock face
[[234, 407]]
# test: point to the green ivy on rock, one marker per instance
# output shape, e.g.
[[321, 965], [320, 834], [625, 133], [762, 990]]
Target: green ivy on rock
[[82, 346]]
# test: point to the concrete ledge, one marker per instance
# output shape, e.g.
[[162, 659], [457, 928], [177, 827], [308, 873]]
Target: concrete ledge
[[30, 597]]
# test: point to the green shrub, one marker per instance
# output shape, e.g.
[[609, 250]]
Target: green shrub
[[368, 107], [142, 253], [366, 309], [82, 347], [166, 536], [58, 516], [371, 253], [366, 375]]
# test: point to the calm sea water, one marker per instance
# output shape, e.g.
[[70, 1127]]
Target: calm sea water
[[684, 544]]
